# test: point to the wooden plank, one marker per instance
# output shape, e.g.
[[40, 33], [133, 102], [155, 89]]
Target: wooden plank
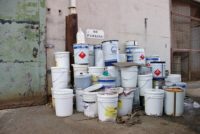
[[71, 30]]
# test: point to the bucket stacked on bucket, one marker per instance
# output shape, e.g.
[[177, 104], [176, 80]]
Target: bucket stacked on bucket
[[62, 97], [134, 53]]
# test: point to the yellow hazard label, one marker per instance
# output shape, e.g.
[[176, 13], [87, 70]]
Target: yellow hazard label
[[119, 104], [111, 111]]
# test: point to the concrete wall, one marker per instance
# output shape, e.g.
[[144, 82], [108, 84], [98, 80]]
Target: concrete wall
[[55, 36], [125, 20]]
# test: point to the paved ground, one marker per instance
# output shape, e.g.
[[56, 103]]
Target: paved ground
[[42, 120]]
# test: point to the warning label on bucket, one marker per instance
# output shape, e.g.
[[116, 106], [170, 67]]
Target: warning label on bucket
[[82, 55], [111, 111]]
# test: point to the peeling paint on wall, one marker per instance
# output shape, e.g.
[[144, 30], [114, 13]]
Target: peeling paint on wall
[[22, 52]]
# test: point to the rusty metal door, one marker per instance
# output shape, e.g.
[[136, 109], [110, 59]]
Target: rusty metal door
[[22, 53]]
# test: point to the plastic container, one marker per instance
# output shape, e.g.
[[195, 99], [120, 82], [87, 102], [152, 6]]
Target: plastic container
[[115, 72], [110, 51], [107, 107], [158, 83], [79, 101], [63, 102], [139, 56], [107, 81], [172, 79], [60, 77], [62, 59], [158, 69], [150, 59], [91, 55], [90, 104], [95, 72], [99, 57], [81, 53], [125, 104], [129, 76], [82, 81], [183, 86], [145, 83], [174, 101], [80, 69], [154, 102]]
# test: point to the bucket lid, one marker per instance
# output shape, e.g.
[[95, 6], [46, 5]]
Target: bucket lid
[[157, 62], [93, 88], [154, 91], [174, 89], [107, 95], [108, 41]]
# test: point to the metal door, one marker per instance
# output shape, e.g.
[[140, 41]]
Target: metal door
[[22, 53]]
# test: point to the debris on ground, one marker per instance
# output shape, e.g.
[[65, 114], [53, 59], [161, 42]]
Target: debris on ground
[[130, 119]]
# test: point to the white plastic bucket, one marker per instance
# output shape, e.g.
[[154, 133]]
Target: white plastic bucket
[[144, 83], [174, 101], [172, 79], [63, 102], [139, 56], [80, 69], [90, 104], [130, 46], [110, 51], [91, 55], [95, 72], [125, 104], [99, 57], [129, 76], [115, 72], [183, 86], [122, 58], [60, 77], [79, 101], [107, 81], [62, 59], [81, 53], [129, 57], [154, 102], [107, 107], [158, 69], [150, 59]]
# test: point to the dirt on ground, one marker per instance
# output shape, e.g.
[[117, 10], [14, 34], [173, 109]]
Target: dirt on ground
[[42, 120]]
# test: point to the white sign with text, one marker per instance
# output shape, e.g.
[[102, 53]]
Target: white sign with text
[[94, 34]]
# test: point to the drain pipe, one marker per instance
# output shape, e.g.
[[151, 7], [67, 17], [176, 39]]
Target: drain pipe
[[72, 6]]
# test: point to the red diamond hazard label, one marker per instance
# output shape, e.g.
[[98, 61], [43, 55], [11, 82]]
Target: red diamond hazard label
[[142, 57], [82, 55], [157, 72]]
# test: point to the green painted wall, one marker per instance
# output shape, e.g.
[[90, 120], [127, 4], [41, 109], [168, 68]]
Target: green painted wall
[[22, 52]]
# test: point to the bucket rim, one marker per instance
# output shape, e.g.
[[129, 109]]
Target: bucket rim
[[96, 67], [59, 68], [154, 91], [66, 52], [107, 95]]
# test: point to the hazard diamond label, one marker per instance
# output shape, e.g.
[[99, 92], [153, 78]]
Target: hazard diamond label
[[82, 55], [157, 72], [142, 57]]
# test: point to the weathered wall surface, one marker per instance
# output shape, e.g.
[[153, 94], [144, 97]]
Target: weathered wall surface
[[22, 53], [55, 36], [125, 20]]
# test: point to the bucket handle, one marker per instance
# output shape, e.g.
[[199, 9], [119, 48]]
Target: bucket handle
[[57, 78], [144, 84]]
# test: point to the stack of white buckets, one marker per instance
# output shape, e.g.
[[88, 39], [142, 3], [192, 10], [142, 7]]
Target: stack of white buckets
[[62, 97]]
